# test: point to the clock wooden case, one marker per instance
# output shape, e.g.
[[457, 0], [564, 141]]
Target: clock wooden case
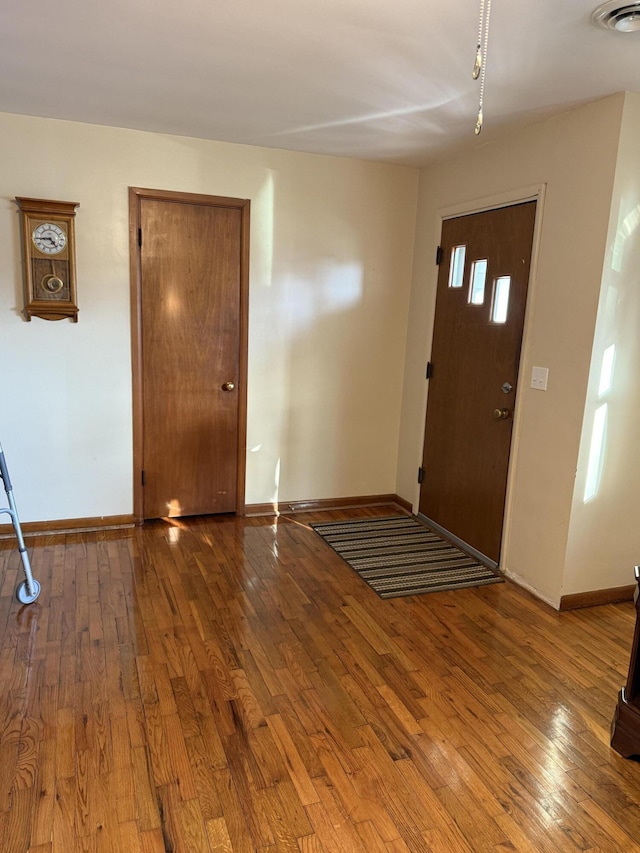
[[48, 250]]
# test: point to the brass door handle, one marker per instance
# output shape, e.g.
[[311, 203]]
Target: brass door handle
[[501, 414], [228, 386]]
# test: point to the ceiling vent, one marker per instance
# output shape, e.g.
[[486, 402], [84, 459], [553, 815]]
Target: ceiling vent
[[619, 16]]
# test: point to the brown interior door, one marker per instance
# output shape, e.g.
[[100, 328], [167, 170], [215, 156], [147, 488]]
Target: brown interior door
[[190, 261], [479, 320]]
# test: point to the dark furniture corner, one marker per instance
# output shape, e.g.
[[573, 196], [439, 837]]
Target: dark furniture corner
[[625, 728]]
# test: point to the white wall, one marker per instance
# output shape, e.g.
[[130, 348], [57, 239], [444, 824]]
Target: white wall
[[603, 542], [331, 253], [573, 156]]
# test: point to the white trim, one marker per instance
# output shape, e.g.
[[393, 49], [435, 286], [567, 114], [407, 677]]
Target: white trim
[[492, 202], [524, 358]]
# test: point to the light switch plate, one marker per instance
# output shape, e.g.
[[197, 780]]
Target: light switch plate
[[539, 378]]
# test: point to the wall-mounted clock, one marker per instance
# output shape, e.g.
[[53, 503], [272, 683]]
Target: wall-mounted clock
[[48, 253]]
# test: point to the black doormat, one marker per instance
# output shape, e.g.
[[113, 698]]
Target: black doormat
[[400, 556]]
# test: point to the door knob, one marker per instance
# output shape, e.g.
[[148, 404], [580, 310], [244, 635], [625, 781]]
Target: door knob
[[501, 414], [228, 386]]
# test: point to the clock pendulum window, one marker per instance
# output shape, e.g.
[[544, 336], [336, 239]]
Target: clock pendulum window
[[48, 254]]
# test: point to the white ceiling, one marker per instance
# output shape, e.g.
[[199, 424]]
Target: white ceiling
[[378, 79]]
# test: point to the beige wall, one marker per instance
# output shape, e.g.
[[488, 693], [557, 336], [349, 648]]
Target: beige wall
[[331, 254], [331, 263], [603, 542], [573, 157]]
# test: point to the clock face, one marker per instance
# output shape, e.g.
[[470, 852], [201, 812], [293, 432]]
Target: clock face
[[49, 239]]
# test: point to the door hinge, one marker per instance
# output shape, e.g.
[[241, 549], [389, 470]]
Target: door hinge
[[420, 474], [142, 478], [439, 254], [140, 237], [429, 372]]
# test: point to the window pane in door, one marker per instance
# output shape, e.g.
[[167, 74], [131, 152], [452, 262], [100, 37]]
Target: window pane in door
[[501, 299], [456, 268], [478, 278]]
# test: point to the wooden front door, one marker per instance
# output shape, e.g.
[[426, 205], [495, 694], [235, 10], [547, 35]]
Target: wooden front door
[[479, 321], [191, 301]]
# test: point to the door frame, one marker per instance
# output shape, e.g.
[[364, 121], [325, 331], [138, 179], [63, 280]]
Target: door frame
[[136, 195], [505, 199]]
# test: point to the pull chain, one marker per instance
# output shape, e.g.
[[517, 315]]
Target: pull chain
[[480, 67], [478, 64]]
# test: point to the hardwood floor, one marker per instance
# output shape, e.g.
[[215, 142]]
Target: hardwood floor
[[231, 685]]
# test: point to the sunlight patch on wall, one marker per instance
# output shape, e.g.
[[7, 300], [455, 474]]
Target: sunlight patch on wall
[[597, 447], [334, 287], [625, 230], [596, 452], [343, 287], [276, 483], [606, 372], [610, 307], [262, 227]]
